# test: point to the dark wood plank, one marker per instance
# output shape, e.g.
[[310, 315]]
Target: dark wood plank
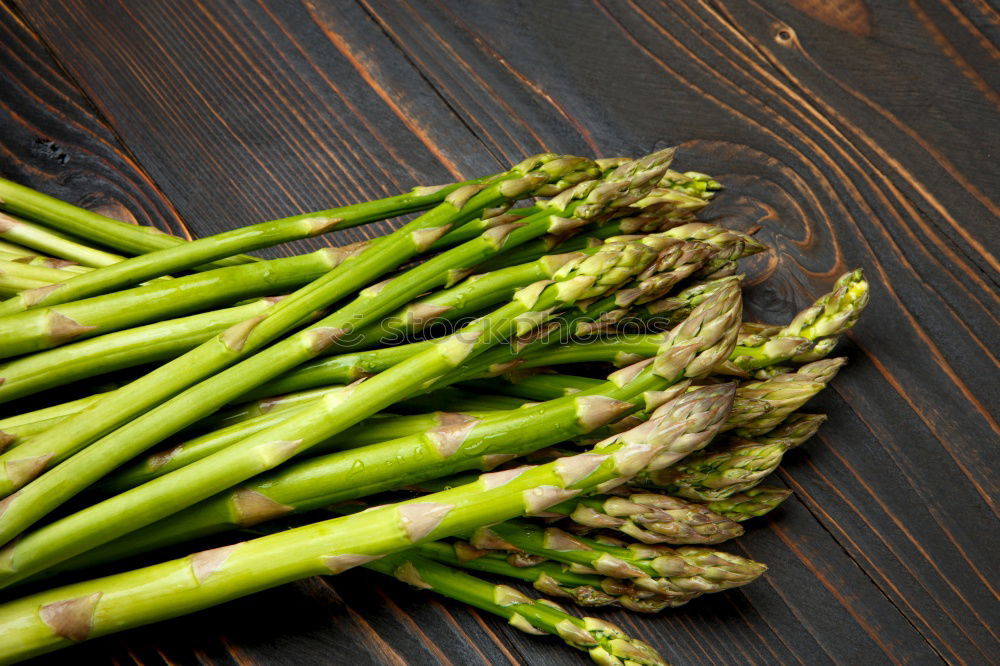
[[853, 132], [54, 140], [280, 110]]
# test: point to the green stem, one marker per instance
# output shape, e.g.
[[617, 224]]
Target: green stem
[[461, 444], [168, 494], [44, 328], [203, 250], [240, 341], [606, 643], [125, 237], [53, 243], [549, 577], [59, 617], [680, 573], [38, 273], [115, 351]]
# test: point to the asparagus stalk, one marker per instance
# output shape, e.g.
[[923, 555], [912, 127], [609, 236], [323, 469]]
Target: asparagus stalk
[[750, 503], [349, 367], [17, 251], [587, 278], [34, 272], [343, 369], [679, 573], [44, 328], [605, 643], [762, 404], [83, 223], [678, 196], [243, 339], [11, 284], [666, 200], [758, 347], [464, 443], [54, 243], [735, 464], [651, 518], [787, 392], [753, 400], [115, 351], [385, 429], [487, 289], [371, 431], [59, 617], [676, 260], [187, 255], [539, 270], [818, 325], [551, 578], [241, 423]]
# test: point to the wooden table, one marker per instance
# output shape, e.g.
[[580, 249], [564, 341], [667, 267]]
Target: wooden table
[[854, 132]]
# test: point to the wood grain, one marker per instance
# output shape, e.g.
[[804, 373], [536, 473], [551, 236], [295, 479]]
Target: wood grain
[[854, 132]]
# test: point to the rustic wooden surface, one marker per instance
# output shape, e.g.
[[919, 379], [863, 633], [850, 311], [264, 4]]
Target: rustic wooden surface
[[856, 132]]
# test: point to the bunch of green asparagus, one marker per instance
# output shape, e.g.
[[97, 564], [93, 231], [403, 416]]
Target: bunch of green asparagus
[[468, 380]]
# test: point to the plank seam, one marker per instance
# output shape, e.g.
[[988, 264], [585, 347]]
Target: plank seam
[[430, 84], [865, 573]]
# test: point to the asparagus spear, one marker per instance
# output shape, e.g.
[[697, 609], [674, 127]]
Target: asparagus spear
[[17, 251], [787, 392], [587, 278], [819, 325], [56, 618], [383, 429], [264, 234], [673, 573], [606, 643], [735, 464], [651, 518], [551, 578], [484, 290], [463, 444], [128, 238], [758, 346], [54, 243], [349, 367], [241, 340], [541, 269], [124, 349], [34, 272], [755, 403], [11, 284], [43, 328], [678, 196], [666, 200], [371, 431], [487, 289], [750, 503], [344, 369]]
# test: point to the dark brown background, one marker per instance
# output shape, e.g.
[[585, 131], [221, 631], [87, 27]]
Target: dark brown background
[[857, 132]]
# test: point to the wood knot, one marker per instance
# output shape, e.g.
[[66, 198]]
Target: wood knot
[[784, 35]]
